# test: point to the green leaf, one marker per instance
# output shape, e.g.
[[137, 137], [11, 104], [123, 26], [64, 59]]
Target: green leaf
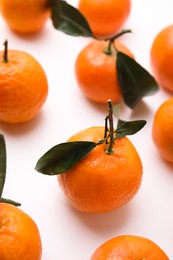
[[2, 200], [2, 163], [129, 128], [64, 156], [68, 19], [134, 80]]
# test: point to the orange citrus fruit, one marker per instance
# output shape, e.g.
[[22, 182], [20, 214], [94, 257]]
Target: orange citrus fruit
[[96, 72], [162, 129], [161, 57], [105, 17], [23, 87], [19, 235], [25, 16], [102, 182], [128, 247]]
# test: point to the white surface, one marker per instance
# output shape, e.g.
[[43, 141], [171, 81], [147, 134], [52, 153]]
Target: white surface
[[67, 234]]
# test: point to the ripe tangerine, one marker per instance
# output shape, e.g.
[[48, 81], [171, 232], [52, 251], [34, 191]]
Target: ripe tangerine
[[129, 247], [19, 235], [25, 16], [162, 129], [23, 86], [95, 71], [105, 17], [102, 182], [161, 57]]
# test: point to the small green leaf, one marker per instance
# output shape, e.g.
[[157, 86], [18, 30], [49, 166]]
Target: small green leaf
[[68, 19], [2, 163], [134, 80], [129, 128], [2, 200], [64, 156]]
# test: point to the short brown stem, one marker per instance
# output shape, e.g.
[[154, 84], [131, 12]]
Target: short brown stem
[[110, 131], [108, 50], [5, 57]]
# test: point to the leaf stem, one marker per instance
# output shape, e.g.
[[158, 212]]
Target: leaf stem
[[109, 132], [5, 56], [120, 34]]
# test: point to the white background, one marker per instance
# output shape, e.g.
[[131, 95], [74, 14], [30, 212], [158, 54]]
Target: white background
[[67, 234]]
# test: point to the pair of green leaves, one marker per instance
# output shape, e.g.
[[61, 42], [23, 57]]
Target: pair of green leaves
[[134, 80], [3, 171], [64, 156]]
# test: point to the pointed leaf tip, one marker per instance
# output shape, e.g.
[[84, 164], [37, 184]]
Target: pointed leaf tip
[[135, 81], [62, 157], [125, 128]]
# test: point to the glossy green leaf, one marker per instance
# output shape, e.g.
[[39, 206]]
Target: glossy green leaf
[[10, 202], [62, 157], [2, 163], [134, 80], [68, 19], [128, 128]]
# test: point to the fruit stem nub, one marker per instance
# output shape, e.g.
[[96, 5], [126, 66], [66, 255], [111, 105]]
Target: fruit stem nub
[[5, 57], [108, 50], [109, 132]]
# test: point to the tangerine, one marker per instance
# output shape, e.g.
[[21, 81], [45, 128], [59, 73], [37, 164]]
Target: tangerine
[[98, 168], [161, 57], [95, 70], [162, 129], [23, 86], [25, 16], [105, 17], [102, 182], [127, 247], [19, 235]]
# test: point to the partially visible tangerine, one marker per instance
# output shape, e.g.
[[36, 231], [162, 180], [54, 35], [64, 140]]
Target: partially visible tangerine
[[162, 130], [25, 16], [102, 182], [23, 87], [105, 17], [161, 57], [96, 73], [128, 247], [19, 235]]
